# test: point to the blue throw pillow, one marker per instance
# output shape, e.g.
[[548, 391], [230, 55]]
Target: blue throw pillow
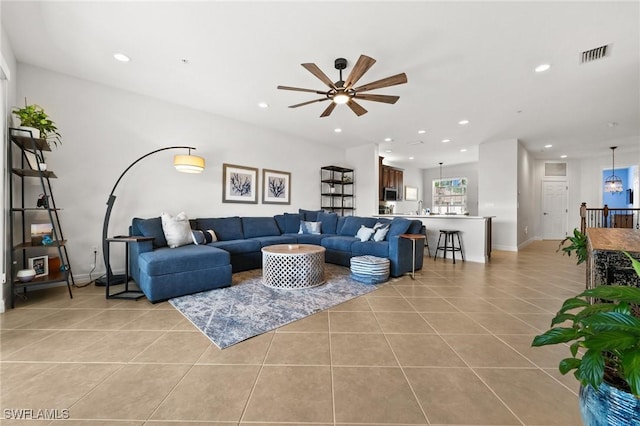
[[399, 225], [152, 228], [329, 222], [203, 237], [292, 223], [309, 215]]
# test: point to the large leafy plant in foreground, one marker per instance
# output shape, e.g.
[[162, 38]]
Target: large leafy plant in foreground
[[604, 335]]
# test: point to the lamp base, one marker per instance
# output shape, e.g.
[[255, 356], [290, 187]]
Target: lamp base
[[115, 280]]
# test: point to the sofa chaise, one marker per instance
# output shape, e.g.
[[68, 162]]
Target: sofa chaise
[[162, 272]]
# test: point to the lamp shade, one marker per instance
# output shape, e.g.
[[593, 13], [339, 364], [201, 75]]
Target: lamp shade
[[188, 163]]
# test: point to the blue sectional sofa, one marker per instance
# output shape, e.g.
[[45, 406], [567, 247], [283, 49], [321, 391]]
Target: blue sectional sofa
[[162, 272]]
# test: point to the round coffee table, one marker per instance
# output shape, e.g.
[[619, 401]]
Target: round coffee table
[[293, 266]]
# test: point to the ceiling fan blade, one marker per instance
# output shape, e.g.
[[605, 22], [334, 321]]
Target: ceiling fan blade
[[308, 102], [385, 82], [362, 66], [313, 69], [298, 89], [329, 110], [356, 107], [388, 99]]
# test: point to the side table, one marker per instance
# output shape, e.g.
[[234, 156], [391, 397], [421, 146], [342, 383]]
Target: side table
[[126, 293], [413, 238]]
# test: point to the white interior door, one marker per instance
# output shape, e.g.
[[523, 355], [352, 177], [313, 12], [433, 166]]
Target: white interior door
[[554, 210]]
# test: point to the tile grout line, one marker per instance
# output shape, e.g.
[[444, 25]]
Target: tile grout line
[[404, 374], [255, 382], [467, 365]]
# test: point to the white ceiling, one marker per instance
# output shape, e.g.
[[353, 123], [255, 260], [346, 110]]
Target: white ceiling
[[464, 60]]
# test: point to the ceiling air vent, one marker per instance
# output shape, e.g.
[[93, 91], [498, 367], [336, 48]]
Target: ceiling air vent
[[594, 54]]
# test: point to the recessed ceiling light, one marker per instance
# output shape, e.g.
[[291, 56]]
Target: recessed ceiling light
[[121, 57], [612, 124], [388, 151], [415, 143], [337, 130], [411, 158], [542, 67], [563, 156], [548, 145], [422, 132], [463, 150], [463, 122], [388, 139], [446, 140], [263, 105]]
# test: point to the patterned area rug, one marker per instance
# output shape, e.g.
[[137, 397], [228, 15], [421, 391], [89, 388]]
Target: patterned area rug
[[248, 308]]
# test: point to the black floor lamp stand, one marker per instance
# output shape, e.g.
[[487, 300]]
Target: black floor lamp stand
[[120, 278]]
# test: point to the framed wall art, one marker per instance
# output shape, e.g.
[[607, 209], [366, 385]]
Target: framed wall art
[[40, 264], [240, 184], [276, 187], [410, 193]]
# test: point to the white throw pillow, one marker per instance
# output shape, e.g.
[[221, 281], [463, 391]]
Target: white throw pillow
[[364, 233], [381, 233], [310, 227], [176, 229]]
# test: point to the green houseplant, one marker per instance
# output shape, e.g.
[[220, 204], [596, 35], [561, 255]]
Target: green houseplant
[[35, 116], [578, 245], [602, 327]]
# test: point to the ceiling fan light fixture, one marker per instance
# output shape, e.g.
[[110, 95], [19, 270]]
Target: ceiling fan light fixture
[[341, 98], [345, 91]]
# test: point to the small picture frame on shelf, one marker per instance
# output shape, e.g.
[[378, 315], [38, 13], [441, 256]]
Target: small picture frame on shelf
[[40, 232], [40, 264]]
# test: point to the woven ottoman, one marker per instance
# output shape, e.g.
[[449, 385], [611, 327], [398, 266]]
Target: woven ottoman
[[370, 269]]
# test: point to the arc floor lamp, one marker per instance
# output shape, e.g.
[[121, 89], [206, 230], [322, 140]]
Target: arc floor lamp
[[183, 163]]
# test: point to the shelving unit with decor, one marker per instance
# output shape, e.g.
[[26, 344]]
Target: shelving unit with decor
[[23, 214], [337, 190]]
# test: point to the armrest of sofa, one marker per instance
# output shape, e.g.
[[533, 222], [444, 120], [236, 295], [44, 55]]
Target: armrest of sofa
[[400, 253], [135, 250]]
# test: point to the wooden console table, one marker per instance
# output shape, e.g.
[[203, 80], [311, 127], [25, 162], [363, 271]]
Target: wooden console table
[[604, 247]]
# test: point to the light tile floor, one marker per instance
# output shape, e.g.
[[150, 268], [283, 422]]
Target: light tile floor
[[450, 348]]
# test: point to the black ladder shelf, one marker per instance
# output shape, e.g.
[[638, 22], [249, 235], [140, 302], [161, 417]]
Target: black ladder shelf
[[28, 145]]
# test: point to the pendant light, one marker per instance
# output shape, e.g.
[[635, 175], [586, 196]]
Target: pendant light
[[613, 183]]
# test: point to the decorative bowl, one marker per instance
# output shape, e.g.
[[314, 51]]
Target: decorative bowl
[[26, 275]]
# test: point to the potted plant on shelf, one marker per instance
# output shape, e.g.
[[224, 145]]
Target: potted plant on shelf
[[602, 327], [34, 117]]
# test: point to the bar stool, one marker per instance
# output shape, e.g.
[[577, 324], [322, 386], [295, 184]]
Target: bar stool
[[448, 238]]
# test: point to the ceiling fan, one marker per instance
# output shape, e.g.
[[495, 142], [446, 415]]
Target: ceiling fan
[[344, 92]]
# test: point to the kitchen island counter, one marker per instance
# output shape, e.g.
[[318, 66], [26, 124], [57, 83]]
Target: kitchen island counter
[[475, 232]]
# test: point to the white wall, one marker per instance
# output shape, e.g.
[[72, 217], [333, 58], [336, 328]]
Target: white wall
[[105, 129], [498, 190], [468, 170], [364, 160], [527, 206]]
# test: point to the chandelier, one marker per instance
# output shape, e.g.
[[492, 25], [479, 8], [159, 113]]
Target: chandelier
[[613, 183]]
